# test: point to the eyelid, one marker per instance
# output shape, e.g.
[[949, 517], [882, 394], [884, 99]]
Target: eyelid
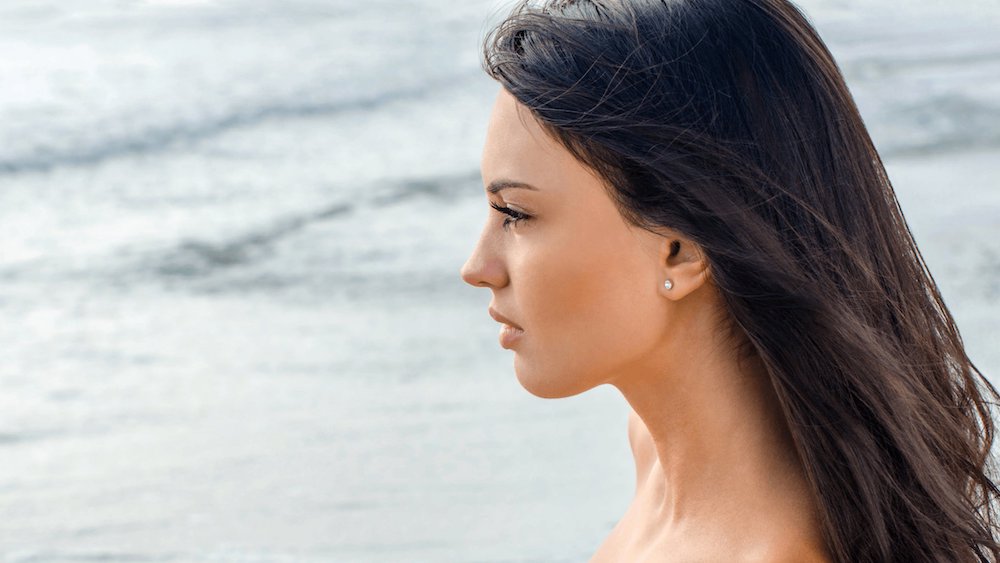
[[514, 216], [512, 211]]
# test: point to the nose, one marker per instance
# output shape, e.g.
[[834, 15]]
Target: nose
[[484, 267]]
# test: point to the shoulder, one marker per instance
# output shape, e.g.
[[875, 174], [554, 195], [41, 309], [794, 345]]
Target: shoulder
[[790, 550], [786, 551]]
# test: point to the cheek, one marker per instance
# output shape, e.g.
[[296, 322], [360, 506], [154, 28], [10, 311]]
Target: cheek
[[588, 310]]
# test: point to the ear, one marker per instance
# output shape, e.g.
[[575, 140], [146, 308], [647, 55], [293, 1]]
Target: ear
[[683, 263]]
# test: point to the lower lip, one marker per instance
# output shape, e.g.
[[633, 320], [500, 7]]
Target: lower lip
[[509, 335]]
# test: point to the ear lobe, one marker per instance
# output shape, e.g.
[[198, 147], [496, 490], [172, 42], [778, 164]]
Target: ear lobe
[[685, 265]]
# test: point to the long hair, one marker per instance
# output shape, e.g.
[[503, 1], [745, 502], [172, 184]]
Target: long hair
[[730, 122]]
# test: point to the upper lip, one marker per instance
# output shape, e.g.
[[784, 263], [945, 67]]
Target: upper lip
[[502, 319]]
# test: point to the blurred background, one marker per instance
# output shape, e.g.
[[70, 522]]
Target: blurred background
[[231, 322]]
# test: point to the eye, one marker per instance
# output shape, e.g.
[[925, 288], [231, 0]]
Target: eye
[[513, 216]]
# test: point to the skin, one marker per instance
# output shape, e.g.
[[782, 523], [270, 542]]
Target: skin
[[717, 477]]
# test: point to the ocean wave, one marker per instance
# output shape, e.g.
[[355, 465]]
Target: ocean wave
[[159, 138], [195, 258]]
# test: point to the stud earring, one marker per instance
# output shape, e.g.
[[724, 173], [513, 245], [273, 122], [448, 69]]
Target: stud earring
[[668, 284]]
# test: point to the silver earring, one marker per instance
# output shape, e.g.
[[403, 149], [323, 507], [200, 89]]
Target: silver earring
[[668, 284]]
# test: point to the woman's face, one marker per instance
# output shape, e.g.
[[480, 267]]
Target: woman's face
[[585, 287]]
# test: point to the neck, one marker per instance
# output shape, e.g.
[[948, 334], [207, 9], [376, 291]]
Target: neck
[[711, 444]]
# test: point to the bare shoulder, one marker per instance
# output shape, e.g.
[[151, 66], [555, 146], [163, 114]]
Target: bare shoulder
[[792, 551], [679, 551]]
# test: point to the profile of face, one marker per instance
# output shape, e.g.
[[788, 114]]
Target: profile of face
[[586, 287]]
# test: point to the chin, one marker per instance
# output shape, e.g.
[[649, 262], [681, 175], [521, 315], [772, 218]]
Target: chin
[[547, 384]]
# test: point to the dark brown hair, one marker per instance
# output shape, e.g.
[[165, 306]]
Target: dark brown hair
[[730, 122]]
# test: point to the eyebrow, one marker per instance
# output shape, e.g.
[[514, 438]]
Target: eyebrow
[[496, 186]]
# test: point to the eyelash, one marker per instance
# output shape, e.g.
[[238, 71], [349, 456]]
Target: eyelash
[[514, 216]]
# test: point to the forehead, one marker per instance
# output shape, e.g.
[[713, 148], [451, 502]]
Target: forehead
[[512, 124], [517, 148]]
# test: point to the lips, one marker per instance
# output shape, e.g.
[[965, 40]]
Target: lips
[[502, 319]]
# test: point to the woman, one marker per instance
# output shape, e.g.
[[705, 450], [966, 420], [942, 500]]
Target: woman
[[689, 208]]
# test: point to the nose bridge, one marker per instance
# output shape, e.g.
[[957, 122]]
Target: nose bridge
[[484, 266]]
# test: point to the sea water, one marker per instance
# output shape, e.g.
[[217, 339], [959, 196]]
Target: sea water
[[233, 327]]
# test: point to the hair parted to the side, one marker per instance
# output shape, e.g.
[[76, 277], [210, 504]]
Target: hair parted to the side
[[730, 122]]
